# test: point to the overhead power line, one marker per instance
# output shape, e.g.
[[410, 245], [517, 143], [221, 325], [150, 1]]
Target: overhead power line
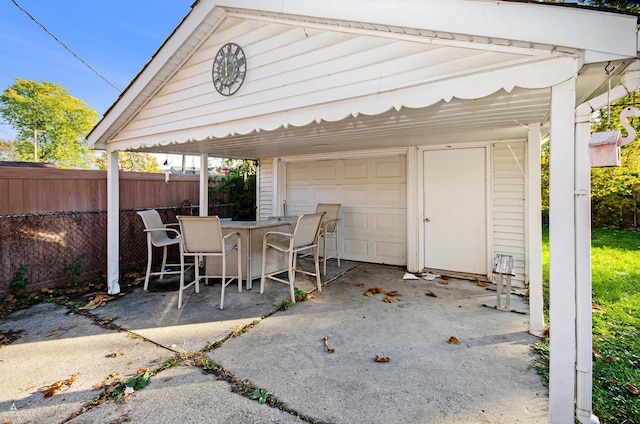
[[65, 46]]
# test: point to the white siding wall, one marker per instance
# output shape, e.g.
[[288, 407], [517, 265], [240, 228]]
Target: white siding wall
[[509, 204], [265, 190]]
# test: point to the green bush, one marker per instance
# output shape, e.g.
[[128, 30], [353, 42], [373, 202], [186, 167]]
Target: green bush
[[238, 189]]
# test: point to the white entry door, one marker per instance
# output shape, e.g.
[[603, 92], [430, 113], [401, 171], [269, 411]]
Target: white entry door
[[455, 226]]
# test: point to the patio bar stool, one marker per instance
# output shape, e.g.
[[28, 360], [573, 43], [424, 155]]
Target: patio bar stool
[[503, 270], [158, 235], [329, 227]]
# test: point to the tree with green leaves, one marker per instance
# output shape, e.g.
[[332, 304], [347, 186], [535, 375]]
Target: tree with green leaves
[[8, 151], [51, 125], [238, 188], [627, 5], [130, 161], [615, 191]]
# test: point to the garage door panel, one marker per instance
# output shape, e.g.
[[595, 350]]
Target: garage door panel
[[389, 195], [386, 170], [326, 194], [388, 250], [353, 170], [354, 221], [390, 223], [325, 171], [297, 174], [356, 195], [372, 192], [354, 248]]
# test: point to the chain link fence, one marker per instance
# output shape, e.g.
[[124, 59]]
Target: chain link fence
[[55, 249]]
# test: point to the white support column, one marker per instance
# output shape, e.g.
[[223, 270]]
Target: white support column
[[113, 223], [534, 232], [584, 366], [275, 187], [280, 185], [414, 187], [562, 302], [204, 184]]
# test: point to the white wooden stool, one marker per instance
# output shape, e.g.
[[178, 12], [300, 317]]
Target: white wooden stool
[[503, 266]]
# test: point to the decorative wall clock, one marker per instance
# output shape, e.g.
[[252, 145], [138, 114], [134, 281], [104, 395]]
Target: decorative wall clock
[[229, 69]]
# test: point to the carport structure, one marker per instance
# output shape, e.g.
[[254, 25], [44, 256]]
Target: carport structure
[[423, 118]]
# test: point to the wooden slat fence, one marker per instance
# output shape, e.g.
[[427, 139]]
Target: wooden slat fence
[[53, 218]]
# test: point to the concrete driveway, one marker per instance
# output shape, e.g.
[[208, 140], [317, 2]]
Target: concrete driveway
[[282, 356]]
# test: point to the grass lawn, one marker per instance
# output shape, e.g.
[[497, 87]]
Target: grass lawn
[[615, 269]]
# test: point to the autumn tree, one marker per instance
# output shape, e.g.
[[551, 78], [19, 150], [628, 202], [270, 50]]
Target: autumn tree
[[615, 191], [131, 161], [626, 5], [8, 151], [49, 114]]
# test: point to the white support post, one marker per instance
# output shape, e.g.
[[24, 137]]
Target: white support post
[[562, 284], [584, 366], [280, 185], [113, 223], [275, 187], [534, 232], [414, 199], [204, 184]]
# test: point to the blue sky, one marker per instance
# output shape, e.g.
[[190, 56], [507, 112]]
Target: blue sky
[[116, 37]]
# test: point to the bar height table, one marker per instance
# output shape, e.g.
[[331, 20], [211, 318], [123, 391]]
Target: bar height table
[[251, 235]]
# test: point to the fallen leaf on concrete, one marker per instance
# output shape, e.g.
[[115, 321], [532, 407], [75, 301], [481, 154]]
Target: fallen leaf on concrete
[[137, 281], [392, 293], [368, 293], [115, 354], [56, 330], [430, 293], [443, 282], [632, 389], [100, 299], [381, 359], [309, 296], [482, 283], [453, 340], [58, 386], [106, 381], [359, 284], [326, 345], [8, 336], [597, 309], [7, 303], [142, 371], [376, 290], [390, 299]]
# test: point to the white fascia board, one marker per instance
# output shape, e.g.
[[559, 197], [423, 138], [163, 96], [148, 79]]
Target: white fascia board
[[609, 34]]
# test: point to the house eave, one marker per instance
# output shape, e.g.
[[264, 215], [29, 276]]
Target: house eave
[[381, 19]]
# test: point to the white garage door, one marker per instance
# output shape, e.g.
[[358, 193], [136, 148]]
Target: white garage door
[[372, 192]]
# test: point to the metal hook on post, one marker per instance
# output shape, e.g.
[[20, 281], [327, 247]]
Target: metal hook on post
[[606, 68], [608, 72], [604, 147]]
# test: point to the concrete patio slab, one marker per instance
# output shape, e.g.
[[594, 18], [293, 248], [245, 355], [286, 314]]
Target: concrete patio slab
[[484, 379]]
